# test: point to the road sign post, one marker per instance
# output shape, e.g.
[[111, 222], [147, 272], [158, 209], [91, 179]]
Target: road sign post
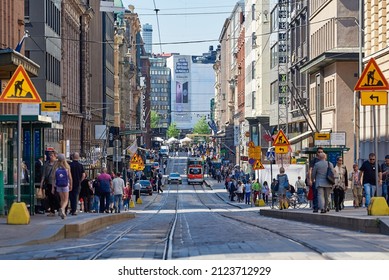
[[19, 90], [373, 87]]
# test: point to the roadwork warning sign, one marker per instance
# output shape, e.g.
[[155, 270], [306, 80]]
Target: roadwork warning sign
[[20, 89]]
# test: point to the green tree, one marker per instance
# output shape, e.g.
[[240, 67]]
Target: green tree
[[154, 117], [201, 127], [173, 131]]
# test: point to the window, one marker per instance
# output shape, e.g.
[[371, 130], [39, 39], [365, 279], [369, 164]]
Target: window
[[273, 92], [253, 98], [253, 12], [274, 56]]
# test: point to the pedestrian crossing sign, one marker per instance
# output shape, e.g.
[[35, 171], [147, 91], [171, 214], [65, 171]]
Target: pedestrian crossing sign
[[20, 89], [372, 78], [281, 139]]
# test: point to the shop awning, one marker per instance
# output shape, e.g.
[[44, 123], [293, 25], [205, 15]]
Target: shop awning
[[39, 120]]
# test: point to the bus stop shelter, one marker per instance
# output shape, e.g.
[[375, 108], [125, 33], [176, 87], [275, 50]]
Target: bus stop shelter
[[32, 148]]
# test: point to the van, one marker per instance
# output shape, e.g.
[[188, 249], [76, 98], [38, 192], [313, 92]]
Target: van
[[164, 151]]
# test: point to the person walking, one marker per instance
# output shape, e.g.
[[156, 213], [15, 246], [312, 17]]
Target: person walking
[[137, 188], [232, 189], [239, 191], [86, 194], [265, 192], [51, 202], [341, 183], [385, 178], [319, 177], [63, 183], [256, 187], [105, 186], [159, 182], [118, 191], [126, 197], [78, 175], [247, 192], [311, 183], [283, 186], [356, 187], [368, 180]]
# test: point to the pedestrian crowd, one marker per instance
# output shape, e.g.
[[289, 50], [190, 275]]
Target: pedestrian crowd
[[324, 187], [65, 189]]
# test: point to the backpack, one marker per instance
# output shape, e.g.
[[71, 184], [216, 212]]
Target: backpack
[[61, 177]]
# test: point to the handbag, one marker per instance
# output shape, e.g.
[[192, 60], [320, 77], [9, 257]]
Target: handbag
[[39, 193], [330, 175]]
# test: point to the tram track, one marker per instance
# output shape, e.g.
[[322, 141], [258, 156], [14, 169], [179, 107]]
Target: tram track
[[279, 233]]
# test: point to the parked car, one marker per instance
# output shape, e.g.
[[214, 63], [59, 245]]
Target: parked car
[[146, 187], [174, 178]]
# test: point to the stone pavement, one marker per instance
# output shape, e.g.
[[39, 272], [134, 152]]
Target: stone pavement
[[43, 229]]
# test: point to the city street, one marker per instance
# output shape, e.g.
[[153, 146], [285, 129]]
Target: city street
[[198, 222]]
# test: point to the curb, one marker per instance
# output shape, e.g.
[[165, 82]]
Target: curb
[[349, 223], [77, 230]]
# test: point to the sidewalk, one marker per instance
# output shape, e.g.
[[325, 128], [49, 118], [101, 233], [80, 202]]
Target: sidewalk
[[348, 218], [43, 229]]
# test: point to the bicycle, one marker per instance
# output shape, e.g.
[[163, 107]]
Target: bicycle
[[295, 200]]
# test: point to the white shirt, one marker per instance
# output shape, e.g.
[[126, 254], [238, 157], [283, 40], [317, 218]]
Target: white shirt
[[118, 185]]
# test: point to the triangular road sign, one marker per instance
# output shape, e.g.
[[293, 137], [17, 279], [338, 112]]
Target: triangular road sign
[[20, 89], [372, 78], [258, 165], [136, 159], [280, 139]]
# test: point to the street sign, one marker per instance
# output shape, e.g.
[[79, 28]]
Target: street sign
[[258, 165], [322, 136], [270, 155], [51, 109], [372, 78], [136, 159], [254, 151], [281, 149], [374, 98], [51, 106], [281, 139], [20, 89]]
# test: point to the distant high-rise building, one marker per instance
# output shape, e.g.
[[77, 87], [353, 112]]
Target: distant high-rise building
[[147, 34]]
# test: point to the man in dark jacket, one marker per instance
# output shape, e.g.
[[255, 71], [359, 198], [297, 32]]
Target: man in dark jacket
[[78, 175]]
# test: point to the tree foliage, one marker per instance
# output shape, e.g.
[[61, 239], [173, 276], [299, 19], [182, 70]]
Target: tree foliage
[[173, 131], [154, 119], [201, 127]]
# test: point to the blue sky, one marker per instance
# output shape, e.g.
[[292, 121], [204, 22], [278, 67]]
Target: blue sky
[[181, 22]]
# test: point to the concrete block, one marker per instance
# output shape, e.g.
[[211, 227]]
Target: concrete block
[[378, 207], [18, 214]]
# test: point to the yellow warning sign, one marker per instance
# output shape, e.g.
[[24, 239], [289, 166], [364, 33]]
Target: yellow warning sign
[[281, 139], [136, 159], [374, 98], [281, 149], [258, 165], [254, 151], [51, 106], [135, 166], [20, 89], [372, 78]]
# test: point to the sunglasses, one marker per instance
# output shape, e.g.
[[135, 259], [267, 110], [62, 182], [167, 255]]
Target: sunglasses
[[371, 159]]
